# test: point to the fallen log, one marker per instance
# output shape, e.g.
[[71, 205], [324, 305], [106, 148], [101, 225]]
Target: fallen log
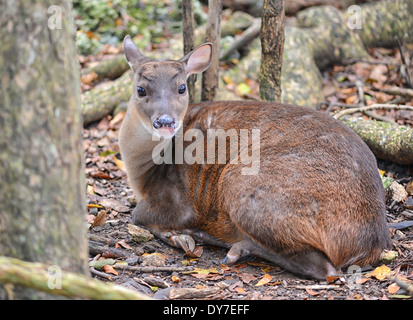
[[103, 99], [67, 284], [386, 140], [109, 69]]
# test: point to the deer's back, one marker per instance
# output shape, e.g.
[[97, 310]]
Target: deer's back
[[317, 182]]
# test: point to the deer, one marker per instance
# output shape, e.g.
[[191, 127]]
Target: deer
[[314, 205]]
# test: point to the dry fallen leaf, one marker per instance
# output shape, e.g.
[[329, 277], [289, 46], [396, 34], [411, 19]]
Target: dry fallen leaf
[[100, 219], [109, 269], [240, 290], [380, 273], [393, 288], [123, 244], [196, 253], [312, 292], [247, 277], [265, 279], [119, 164]]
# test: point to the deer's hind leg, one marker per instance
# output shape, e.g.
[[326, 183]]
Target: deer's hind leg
[[311, 264]]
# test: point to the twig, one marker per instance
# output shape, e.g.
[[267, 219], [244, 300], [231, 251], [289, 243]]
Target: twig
[[404, 68], [371, 61], [405, 92], [152, 269], [246, 37], [101, 274], [372, 107]]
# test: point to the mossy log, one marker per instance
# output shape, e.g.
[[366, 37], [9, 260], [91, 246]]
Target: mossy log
[[110, 68], [54, 281], [388, 141]]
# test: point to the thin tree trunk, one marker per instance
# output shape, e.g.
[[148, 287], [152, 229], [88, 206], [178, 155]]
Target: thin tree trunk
[[188, 26], [272, 47], [42, 197], [213, 35]]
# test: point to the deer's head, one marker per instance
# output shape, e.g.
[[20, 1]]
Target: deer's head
[[160, 95]]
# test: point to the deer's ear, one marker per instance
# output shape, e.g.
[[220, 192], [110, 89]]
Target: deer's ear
[[132, 53], [198, 60]]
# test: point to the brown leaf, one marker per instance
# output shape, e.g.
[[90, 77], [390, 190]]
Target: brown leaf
[[247, 277], [239, 290], [393, 288], [100, 219], [352, 99], [109, 269], [196, 253], [101, 175], [312, 292], [123, 244], [89, 77]]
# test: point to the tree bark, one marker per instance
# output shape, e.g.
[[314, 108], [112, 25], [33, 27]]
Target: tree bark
[[213, 35], [272, 47], [188, 26], [42, 198]]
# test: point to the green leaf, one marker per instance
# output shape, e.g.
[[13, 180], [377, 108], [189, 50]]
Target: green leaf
[[106, 153]]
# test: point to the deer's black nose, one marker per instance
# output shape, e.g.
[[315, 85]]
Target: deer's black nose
[[164, 121]]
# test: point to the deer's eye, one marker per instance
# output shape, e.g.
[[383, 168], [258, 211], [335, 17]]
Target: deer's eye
[[182, 89], [141, 92]]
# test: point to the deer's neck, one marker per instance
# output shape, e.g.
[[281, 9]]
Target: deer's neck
[[137, 148]]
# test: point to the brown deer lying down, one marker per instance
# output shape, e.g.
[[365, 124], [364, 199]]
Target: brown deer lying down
[[309, 199]]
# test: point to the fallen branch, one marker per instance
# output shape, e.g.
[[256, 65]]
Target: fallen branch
[[397, 91], [107, 252], [372, 107], [36, 276], [152, 269], [246, 37], [386, 140]]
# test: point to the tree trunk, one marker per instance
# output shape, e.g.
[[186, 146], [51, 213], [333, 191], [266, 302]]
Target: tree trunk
[[42, 197], [213, 35], [188, 26], [272, 47]]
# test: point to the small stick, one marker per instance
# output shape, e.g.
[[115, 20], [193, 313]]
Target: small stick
[[372, 107], [152, 269]]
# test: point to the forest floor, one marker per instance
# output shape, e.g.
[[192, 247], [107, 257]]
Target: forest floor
[[110, 204]]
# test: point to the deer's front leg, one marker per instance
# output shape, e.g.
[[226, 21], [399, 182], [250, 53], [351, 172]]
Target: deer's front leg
[[157, 224], [177, 239]]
